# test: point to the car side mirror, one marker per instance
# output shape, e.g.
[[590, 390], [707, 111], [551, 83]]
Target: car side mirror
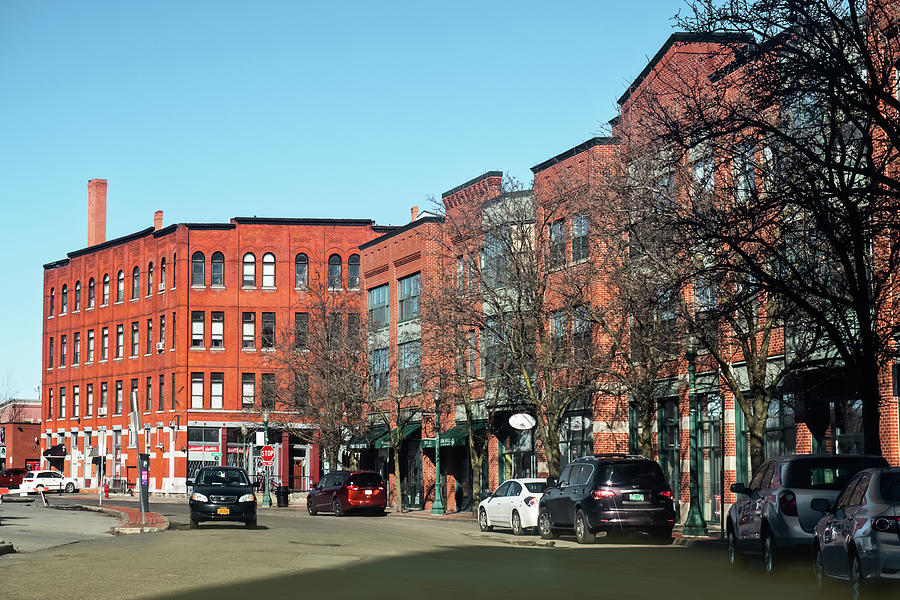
[[740, 488], [820, 505], [190, 483], [551, 482]]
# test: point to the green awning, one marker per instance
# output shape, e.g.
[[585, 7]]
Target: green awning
[[455, 436], [385, 440], [365, 439]]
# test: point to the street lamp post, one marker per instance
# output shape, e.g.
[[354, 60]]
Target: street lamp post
[[694, 523], [437, 507], [267, 499]]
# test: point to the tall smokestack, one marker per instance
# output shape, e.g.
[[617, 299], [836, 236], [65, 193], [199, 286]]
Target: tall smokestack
[[96, 211], [157, 220]]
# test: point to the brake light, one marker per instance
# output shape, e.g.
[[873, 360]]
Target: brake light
[[602, 494], [787, 503], [353, 487], [530, 501], [887, 524], [668, 494]]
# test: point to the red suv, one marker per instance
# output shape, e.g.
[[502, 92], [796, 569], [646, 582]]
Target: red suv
[[344, 491], [12, 478]]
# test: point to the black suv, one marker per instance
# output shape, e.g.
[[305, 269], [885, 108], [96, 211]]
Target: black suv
[[616, 493]]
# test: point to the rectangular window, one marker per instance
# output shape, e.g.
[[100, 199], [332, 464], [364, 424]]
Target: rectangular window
[[267, 381], [409, 359], [495, 351], [90, 346], [267, 341], [76, 401], [149, 342], [557, 243], [76, 347], [197, 384], [217, 329], [172, 386], [104, 344], [354, 330], [580, 230], [582, 332], [50, 354], [62, 350], [173, 324], [162, 329], [134, 338], [378, 307], [89, 400], [473, 355], [248, 330], [120, 340], [558, 332], [301, 330], [50, 403], [744, 177], [133, 402], [104, 398], [119, 391], [198, 336], [248, 389], [300, 390], [148, 395], [161, 393], [460, 273], [216, 389], [494, 257], [704, 295], [409, 297], [62, 402]]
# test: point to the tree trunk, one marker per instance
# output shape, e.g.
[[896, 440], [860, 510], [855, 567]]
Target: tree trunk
[[398, 497], [756, 427], [646, 414], [475, 461], [868, 390]]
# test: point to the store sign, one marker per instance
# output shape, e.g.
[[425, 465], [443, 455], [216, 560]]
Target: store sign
[[203, 448], [522, 421]]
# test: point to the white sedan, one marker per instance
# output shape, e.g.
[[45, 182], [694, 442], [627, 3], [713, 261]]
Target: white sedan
[[48, 481], [513, 505]]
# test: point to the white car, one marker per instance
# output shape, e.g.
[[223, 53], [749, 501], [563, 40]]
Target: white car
[[513, 505], [48, 481]]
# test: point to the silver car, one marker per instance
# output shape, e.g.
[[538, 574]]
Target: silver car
[[773, 513], [858, 540]]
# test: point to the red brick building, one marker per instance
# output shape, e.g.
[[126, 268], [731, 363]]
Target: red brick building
[[180, 318], [20, 429]]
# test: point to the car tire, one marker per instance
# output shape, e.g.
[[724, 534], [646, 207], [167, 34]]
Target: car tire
[[251, 524], [769, 552], [545, 526], [310, 509], [483, 524], [70, 487], [337, 508], [516, 523], [583, 533], [735, 559], [194, 523], [857, 580]]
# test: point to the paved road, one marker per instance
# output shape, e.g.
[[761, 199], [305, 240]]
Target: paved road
[[293, 554], [30, 526]]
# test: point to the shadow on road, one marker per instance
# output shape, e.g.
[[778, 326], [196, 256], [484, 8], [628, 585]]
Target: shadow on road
[[525, 572]]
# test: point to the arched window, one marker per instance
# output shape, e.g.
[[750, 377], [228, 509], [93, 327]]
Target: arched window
[[218, 269], [301, 271], [120, 287], [105, 298], [150, 279], [335, 277], [92, 293], [198, 269], [162, 272], [77, 295], [135, 283], [248, 278], [52, 301], [64, 300], [353, 272], [268, 270]]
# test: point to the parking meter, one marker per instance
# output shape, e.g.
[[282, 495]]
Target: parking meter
[[144, 480]]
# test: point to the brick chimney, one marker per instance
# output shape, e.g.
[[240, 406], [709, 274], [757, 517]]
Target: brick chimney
[[413, 213], [157, 220], [96, 211]]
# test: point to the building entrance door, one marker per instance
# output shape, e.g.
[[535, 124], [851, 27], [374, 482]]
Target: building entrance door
[[710, 423], [667, 440], [412, 486]]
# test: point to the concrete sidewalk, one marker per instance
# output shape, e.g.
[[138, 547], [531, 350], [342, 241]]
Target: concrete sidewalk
[[131, 519]]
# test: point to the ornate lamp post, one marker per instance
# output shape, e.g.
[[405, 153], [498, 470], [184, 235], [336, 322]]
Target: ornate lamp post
[[267, 499], [437, 507], [694, 523]]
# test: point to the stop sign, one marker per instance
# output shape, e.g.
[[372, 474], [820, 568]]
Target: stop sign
[[268, 455]]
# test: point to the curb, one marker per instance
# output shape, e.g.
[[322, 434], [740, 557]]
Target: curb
[[428, 516], [127, 528], [6, 548]]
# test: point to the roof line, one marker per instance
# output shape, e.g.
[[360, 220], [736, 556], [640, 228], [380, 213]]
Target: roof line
[[595, 141], [401, 229], [471, 182]]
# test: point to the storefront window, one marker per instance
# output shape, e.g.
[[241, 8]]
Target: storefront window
[[576, 438]]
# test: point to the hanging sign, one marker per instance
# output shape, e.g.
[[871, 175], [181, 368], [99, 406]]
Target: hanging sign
[[522, 421]]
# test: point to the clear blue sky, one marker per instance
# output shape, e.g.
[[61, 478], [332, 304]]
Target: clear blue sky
[[211, 110]]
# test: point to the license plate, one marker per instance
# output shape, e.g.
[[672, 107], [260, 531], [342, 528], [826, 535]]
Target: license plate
[[636, 497], [224, 511], [368, 492]]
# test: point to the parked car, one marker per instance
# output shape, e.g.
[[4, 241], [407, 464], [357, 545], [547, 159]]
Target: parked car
[[343, 491], [12, 478], [515, 504], [610, 494], [773, 513], [46, 481], [858, 540], [222, 494]]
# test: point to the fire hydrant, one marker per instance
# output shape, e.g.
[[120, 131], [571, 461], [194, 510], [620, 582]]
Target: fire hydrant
[[106, 490]]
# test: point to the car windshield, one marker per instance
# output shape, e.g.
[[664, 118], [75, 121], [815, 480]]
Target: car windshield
[[644, 474], [536, 487], [890, 485], [830, 473], [222, 477], [29, 475], [365, 480]]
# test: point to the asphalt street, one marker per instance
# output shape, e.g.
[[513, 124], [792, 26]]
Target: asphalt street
[[29, 526], [292, 554]]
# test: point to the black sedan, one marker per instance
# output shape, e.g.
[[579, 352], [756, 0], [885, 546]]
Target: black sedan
[[222, 494]]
